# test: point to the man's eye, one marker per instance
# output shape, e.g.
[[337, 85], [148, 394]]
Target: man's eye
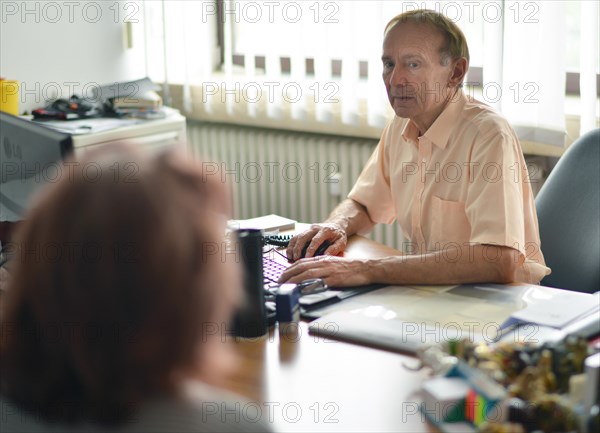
[[388, 65], [413, 65]]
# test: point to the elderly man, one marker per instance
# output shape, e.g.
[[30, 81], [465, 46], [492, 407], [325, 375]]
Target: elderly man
[[448, 169]]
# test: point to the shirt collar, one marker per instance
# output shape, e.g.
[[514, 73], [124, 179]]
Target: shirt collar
[[440, 131]]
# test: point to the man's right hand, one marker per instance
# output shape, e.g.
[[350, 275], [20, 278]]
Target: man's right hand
[[314, 237]]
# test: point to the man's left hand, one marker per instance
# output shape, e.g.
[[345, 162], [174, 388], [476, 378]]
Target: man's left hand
[[336, 271]]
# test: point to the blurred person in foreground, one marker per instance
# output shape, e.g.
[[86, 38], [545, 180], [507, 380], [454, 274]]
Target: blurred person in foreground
[[103, 324], [448, 169]]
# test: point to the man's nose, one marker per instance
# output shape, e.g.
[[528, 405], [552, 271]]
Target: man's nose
[[397, 77]]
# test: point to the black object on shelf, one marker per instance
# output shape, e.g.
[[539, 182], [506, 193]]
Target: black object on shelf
[[67, 109]]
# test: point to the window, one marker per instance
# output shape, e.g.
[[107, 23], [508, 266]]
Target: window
[[253, 25], [319, 61]]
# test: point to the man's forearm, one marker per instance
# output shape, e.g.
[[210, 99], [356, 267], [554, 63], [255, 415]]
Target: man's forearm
[[478, 263], [351, 216]]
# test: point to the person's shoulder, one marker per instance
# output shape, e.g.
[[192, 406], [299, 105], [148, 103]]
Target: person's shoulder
[[488, 131], [485, 119], [14, 419], [202, 408]]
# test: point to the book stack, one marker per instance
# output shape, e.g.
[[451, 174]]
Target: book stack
[[148, 105]]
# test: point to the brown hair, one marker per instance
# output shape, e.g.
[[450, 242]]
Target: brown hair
[[111, 287], [456, 43]]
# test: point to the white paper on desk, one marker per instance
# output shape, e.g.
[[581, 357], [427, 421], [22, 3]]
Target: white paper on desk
[[266, 223], [560, 310]]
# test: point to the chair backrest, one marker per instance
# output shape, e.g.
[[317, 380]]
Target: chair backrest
[[568, 208]]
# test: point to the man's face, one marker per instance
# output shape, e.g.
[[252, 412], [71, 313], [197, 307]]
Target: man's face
[[415, 80]]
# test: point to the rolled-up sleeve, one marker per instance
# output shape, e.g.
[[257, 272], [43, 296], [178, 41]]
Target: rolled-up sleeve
[[500, 204], [494, 204]]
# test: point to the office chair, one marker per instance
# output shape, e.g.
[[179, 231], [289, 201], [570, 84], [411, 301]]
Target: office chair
[[568, 208]]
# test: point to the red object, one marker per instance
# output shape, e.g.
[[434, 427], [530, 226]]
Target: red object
[[470, 403], [42, 113]]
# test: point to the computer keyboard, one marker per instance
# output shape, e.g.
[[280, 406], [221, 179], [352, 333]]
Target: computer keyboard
[[272, 270]]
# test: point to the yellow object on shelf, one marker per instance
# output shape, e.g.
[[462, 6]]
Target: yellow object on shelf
[[9, 96]]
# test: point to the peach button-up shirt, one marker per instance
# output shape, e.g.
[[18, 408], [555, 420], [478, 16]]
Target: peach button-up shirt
[[463, 182]]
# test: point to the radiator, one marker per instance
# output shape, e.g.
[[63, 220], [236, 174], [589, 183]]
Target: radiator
[[298, 175]]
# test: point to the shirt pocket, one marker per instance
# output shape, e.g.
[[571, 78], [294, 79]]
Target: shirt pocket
[[449, 223]]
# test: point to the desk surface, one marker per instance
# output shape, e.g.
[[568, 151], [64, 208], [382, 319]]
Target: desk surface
[[309, 383], [316, 384]]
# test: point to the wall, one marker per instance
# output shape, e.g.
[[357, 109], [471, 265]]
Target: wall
[[65, 47]]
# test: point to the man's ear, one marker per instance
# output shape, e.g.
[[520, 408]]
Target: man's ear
[[459, 70]]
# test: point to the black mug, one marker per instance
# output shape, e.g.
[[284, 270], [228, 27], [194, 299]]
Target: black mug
[[250, 320]]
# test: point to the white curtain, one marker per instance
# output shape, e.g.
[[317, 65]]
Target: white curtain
[[521, 47], [589, 61], [180, 44], [524, 67], [528, 73]]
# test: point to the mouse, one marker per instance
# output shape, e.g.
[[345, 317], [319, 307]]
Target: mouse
[[319, 252]]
